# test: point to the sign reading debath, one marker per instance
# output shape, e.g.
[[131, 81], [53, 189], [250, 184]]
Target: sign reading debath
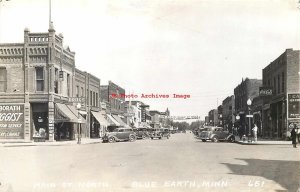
[[11, 121]]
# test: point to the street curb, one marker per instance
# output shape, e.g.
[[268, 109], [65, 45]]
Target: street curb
[[54, 144], [246, 143]]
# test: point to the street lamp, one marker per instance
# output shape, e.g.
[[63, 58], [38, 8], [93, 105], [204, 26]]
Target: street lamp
[[237, 118], [249, 102], [78, 106]]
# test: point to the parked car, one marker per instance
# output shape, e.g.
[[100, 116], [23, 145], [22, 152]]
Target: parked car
[[216, 134], [141, 133], [120, 134], [160, 133]]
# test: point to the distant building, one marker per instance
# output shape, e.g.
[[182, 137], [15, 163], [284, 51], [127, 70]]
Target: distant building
[[228, 112], [247, 89], [213, 117], [113, 97], [281, 107]]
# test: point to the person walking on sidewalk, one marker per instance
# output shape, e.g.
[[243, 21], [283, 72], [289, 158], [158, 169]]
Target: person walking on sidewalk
[[255, 132], [294, 135]]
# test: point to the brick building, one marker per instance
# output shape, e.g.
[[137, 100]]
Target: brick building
[[228, 112], [114, 97], [39, 81], [282, 76], [213, 117], [247, 89]]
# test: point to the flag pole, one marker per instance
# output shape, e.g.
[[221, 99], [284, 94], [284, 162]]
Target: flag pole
[[49, 14]]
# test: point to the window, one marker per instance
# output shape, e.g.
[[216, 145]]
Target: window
[[97, 104], [68, 84], [3, 80], [82, 93], [282, 82], [77, 91], [56, 80], [91, 98], [39, 72], [274, 85], [278, 82]]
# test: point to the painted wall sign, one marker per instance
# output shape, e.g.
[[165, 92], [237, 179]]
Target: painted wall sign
[[294, 105], [265, 91], [11, 121]]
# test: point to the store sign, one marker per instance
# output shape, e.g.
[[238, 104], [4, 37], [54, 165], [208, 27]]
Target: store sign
[[265, 91], [294, 106], [11, 121], [77, 100]]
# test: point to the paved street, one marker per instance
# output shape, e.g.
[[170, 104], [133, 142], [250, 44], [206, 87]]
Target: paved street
[[181, 163]]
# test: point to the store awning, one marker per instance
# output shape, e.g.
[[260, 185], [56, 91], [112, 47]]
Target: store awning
[[100, 118], [112, 121], [120, 121], [68, 113]]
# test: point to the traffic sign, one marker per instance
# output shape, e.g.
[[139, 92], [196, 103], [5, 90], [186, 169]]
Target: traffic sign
[[249, 116]]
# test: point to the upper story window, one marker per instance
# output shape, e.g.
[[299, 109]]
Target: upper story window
[[68, 84], [82, 92], [56, 81], [77, 91], [282, 82], [3, 79], [39, 72]]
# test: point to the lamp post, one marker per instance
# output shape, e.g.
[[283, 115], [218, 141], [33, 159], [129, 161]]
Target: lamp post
[[237, 118], [249, 102], [78, 106]]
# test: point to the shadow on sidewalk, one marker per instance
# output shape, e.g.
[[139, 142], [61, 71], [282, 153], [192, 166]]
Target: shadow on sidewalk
[[285, 173]]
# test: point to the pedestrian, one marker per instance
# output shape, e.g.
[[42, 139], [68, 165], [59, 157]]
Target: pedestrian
[[294, 135], [255, 132]]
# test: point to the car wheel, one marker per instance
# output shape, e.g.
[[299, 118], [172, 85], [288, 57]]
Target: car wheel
[[214, 139], [231, 139], [111, 140], [203, 140], [132, 138], [144, 137], [151, 137]]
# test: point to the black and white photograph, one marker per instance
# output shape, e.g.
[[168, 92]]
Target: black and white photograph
[[149, 95]]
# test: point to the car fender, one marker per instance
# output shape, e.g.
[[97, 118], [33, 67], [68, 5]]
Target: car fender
[[213, 135], [230, 135]]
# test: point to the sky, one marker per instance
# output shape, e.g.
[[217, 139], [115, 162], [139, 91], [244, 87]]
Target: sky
[[201, 48]]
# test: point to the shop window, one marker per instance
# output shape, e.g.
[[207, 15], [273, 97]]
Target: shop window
[[3, 79], [39, 72]]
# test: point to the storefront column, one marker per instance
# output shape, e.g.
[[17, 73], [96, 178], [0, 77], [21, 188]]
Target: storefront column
[[51, 120], [27, 123]]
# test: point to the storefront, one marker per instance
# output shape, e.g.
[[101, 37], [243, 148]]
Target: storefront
[[11, 121], [67, 122], [98, 124]]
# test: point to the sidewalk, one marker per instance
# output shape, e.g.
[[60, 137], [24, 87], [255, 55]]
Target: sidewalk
[[84, 141], [261, 142]]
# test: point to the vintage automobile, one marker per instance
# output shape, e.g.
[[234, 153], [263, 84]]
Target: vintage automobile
[[160, 133], [216, 134], [141, 133], [120, 134]]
